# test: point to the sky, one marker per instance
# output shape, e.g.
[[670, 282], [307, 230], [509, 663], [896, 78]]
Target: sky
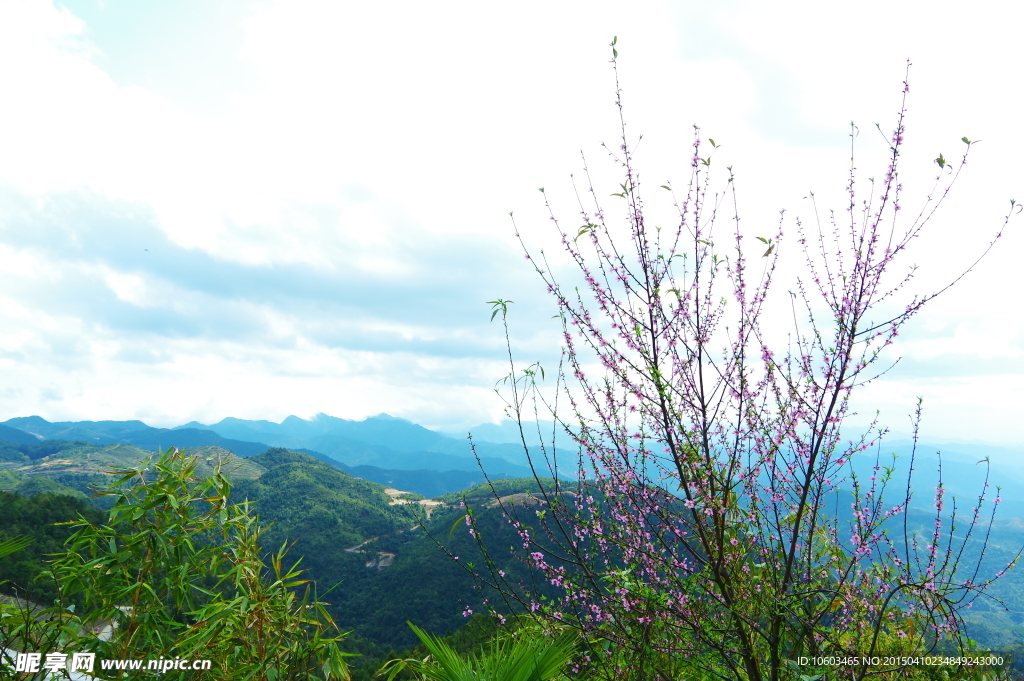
[[259, 208]]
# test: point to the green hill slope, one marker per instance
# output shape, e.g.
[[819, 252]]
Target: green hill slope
[[380, 566], [319, 504]]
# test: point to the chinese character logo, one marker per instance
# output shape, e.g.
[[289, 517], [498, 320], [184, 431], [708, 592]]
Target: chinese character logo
[[82, 662], [28, 662]]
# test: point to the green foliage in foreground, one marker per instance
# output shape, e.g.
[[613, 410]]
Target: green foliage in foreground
[[525, 655], [526, 651], [179, 570]]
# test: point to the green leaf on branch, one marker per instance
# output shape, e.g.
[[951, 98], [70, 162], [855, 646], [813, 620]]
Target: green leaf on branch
[[9, 546], [501, 306], [460, 519], [584, 229], [770, 243]]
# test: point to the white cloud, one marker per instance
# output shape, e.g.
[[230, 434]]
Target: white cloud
[[380, 148]]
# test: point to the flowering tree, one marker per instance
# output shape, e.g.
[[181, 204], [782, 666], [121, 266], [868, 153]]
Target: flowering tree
[[708, 527]]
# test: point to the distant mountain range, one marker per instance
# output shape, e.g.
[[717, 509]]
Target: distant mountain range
[[965, 468], [405, 455], [382, 448], [359, 442], [127, 432]]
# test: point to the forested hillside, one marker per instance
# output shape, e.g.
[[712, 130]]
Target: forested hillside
[[383, 566], [36, 517], [366, 549]]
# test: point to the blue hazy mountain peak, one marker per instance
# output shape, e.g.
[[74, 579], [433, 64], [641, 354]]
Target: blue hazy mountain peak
[[37, 425], [192, 424], [507, 432], [382, 440], [26, 422]]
